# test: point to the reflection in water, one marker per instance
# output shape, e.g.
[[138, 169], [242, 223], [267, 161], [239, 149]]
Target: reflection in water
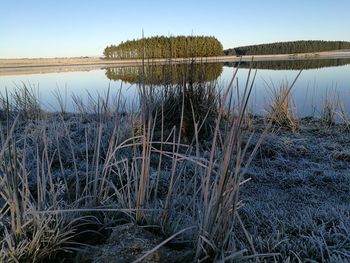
[[292, 64], [183, 93], [176, 108], [309, 92], [166, 74]]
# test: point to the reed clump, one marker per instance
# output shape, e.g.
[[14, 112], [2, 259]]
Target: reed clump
[[27, 234], [282, 108], [23, 101], [188, 105], [333, 109]]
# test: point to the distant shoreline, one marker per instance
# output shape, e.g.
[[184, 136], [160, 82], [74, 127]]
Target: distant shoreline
[[45, 65]]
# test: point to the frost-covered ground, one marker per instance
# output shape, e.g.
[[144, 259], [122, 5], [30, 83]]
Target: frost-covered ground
[[298, 199], [295, 205]]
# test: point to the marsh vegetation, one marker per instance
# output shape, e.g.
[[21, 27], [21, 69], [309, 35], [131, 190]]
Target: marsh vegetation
[[187, 175]]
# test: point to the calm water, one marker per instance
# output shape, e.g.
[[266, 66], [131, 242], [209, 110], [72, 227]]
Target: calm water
[[309, 92]]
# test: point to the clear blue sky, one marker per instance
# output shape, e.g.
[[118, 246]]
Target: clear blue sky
[[56, 28]]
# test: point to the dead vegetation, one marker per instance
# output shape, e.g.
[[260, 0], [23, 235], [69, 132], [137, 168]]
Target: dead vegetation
[[282, 110], [197, 185]]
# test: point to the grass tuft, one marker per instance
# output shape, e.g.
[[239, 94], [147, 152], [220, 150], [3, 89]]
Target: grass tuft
[[282, 109]]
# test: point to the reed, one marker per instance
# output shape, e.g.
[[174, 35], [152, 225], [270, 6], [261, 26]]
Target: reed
[[26, 233], [65, 174], [330, 105], [57, 175], [282, 108]]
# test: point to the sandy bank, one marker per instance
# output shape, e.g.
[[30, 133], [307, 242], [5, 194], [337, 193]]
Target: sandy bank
[[18, 66]]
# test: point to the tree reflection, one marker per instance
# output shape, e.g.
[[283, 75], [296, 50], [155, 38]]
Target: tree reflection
[[166, 74], [292, 64]]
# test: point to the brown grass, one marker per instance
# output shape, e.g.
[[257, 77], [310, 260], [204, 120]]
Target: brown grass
[[189, 191]]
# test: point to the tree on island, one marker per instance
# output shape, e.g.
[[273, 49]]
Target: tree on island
[[166, 47]]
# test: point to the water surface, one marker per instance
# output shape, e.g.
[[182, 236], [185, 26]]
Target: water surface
[[320, 80]]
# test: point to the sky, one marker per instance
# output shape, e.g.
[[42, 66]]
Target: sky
[[63, 28]]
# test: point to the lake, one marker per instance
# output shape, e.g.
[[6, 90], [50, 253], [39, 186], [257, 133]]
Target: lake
[[319, 80]]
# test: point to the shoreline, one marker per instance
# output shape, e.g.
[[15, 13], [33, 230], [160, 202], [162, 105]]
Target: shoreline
[[13, 66]]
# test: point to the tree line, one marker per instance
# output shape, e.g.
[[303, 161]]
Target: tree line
[[290, 64], [302, 46], [165, 47]]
